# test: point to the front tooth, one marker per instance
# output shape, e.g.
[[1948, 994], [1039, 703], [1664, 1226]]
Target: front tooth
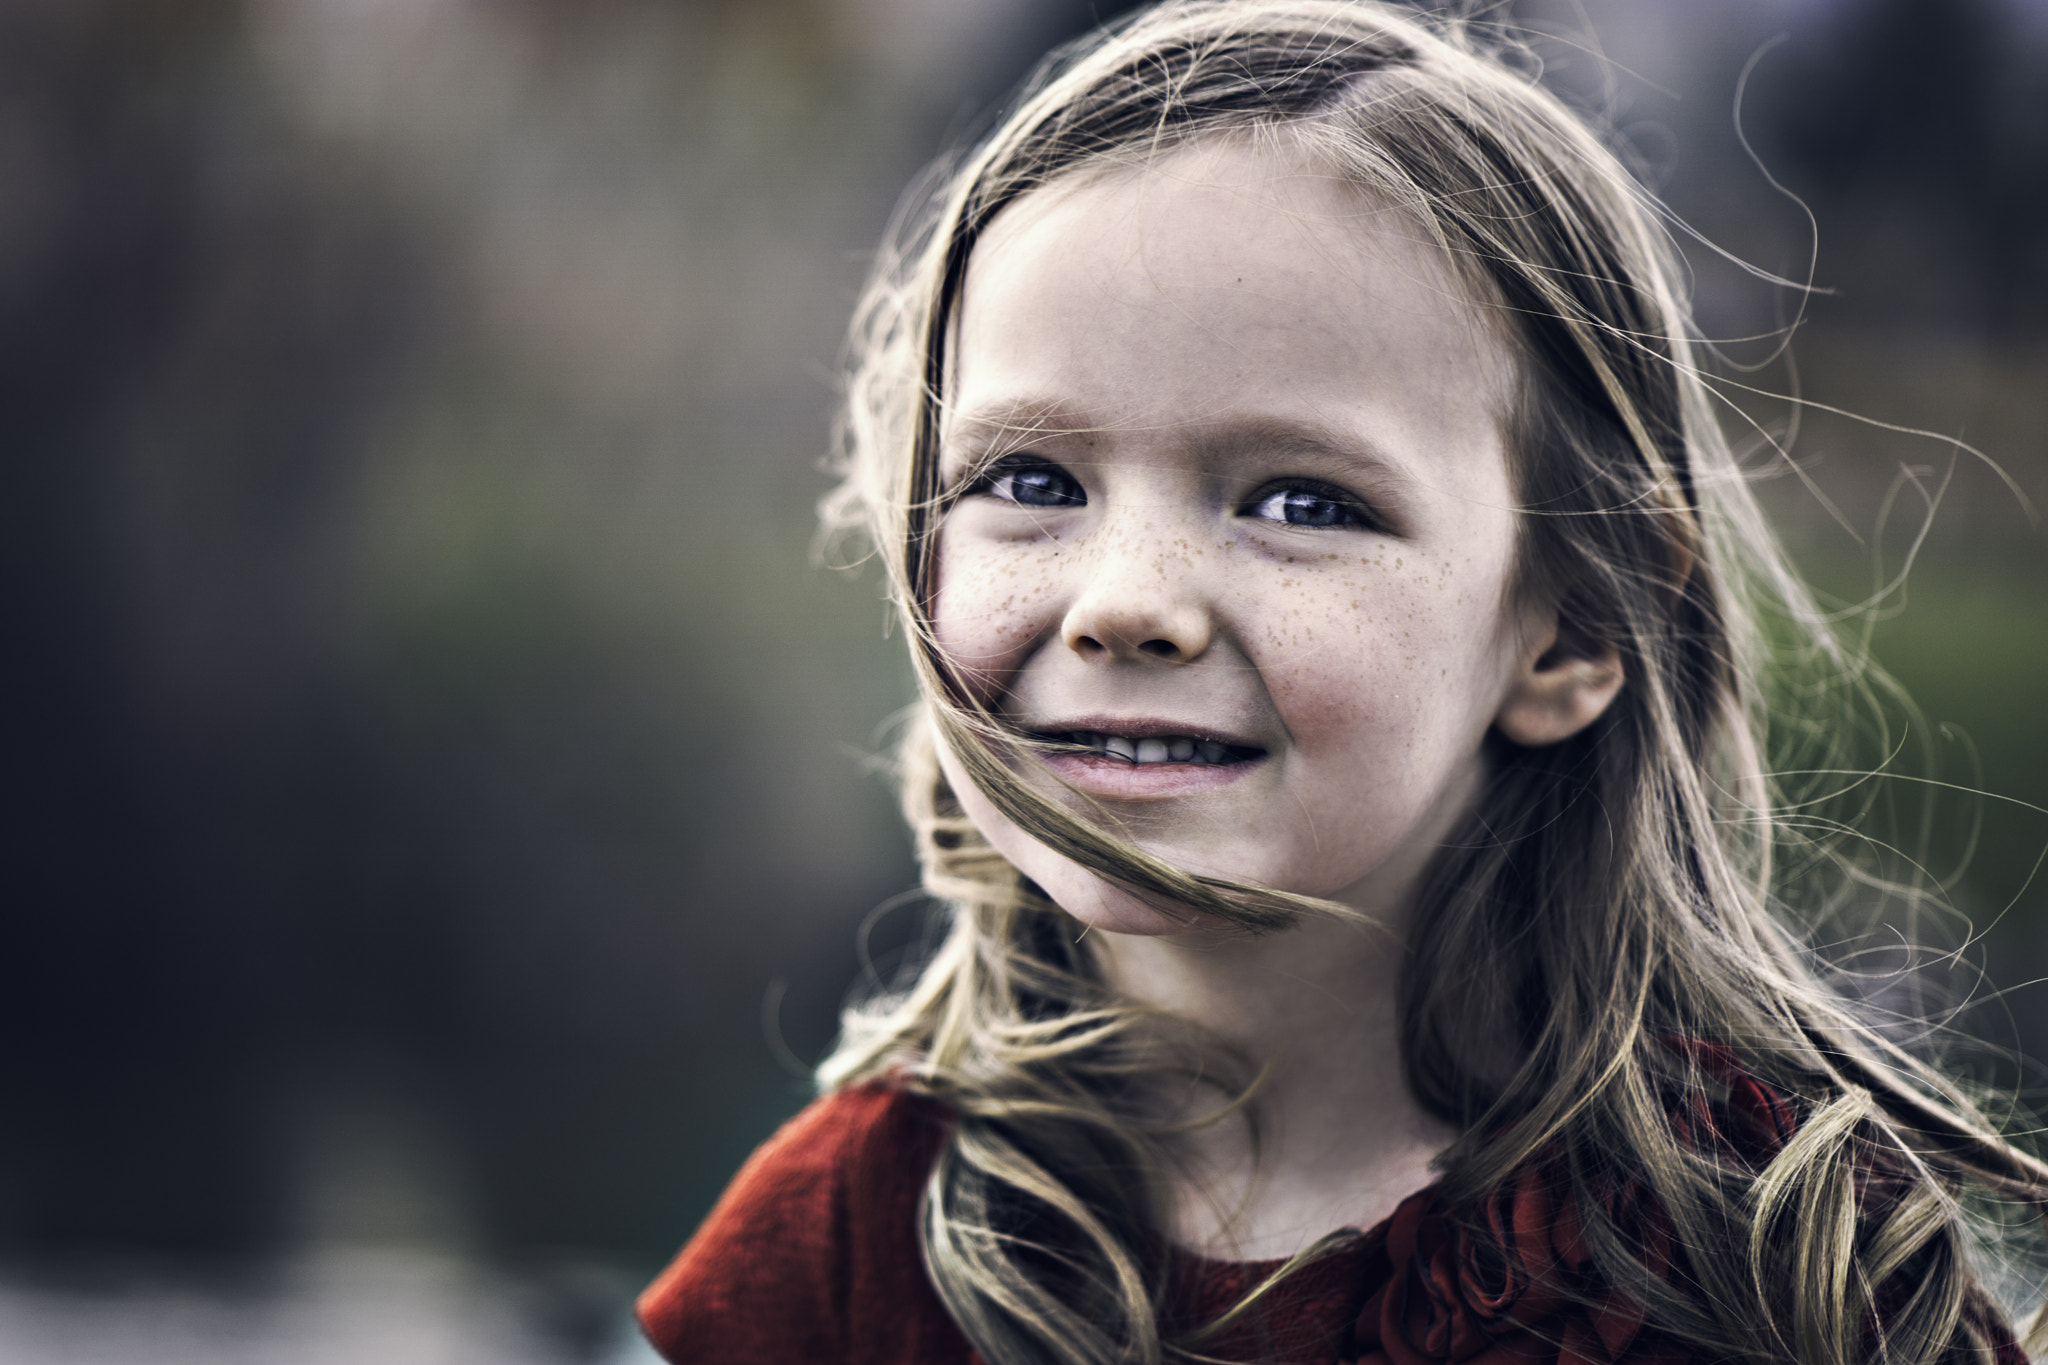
[[1181, 750], [1121, 747], [1151, 751], [1211, 751]]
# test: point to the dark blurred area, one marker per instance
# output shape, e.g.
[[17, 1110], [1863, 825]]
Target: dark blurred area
[[439, 818]]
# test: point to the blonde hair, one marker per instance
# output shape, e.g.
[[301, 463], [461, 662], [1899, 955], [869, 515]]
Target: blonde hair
[[1612, 898]]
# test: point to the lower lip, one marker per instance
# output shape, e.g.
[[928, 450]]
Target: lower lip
[[1102, 775]]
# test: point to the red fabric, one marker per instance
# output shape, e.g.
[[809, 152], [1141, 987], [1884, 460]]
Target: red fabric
[[1523, 1293], [813, 1256]]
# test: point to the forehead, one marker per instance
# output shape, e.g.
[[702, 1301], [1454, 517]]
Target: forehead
[[1224, 282]]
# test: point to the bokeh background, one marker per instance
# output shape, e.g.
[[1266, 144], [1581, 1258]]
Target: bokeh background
[[439, 816]]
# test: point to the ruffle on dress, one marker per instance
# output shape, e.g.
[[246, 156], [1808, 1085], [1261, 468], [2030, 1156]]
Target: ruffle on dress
[[1526, 1292]]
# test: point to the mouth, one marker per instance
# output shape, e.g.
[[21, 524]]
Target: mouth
[[1153, 746]]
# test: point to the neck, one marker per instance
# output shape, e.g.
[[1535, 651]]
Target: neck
[[1340, 1139]]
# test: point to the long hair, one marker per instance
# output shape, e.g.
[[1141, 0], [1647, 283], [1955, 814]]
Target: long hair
[[1611, 900]]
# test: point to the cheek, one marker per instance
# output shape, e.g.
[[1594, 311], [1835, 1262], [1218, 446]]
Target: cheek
[[990, 606], [1409, 655]]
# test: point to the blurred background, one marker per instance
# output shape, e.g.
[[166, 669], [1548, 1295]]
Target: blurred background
[[439, 819]]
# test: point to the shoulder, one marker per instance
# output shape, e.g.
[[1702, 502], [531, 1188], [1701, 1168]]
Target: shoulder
[[817, 1229], [868, 1133]]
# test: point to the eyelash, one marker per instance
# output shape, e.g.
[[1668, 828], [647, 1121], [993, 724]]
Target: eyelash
[[998, 481], [1061, 489], [1292, 493]]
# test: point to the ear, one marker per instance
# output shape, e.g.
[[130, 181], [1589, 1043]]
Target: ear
[[1565, 682]]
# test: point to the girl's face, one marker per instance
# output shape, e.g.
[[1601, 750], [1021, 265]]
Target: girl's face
[[1253, 533]]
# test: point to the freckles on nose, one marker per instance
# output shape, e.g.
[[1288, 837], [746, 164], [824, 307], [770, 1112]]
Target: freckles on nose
[[1133, 592]]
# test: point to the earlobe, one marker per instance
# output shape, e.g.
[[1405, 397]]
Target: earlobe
[[1560, 689]]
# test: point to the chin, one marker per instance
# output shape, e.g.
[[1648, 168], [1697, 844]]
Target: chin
[[1105, 907], [1101, 905]]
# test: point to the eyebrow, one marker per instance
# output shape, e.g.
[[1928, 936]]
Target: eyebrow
[[1307, 439], [976, 435], [1028, 419]]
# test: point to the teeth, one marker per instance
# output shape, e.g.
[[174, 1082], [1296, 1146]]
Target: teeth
[[1171, 749]]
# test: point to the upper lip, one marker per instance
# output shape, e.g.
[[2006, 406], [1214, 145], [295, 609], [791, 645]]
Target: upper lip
[[1138, 727]]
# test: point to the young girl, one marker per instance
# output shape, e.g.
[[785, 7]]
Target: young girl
[[1337, 614]]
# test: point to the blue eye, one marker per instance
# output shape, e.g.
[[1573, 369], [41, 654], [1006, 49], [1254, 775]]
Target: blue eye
[[1310, 506], [1037, 485]]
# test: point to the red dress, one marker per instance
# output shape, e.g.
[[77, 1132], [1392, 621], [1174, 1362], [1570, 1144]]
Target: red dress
[[813, 1256]]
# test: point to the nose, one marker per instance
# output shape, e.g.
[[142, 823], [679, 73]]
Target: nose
[[1138, 601]]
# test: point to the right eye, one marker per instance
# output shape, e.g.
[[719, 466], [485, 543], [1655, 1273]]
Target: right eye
[[1035, 485]]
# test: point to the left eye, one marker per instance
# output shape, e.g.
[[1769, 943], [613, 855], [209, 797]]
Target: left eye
[[1307, 507]]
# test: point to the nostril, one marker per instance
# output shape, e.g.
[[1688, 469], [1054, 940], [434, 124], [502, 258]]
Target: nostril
[[1161, 649]]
